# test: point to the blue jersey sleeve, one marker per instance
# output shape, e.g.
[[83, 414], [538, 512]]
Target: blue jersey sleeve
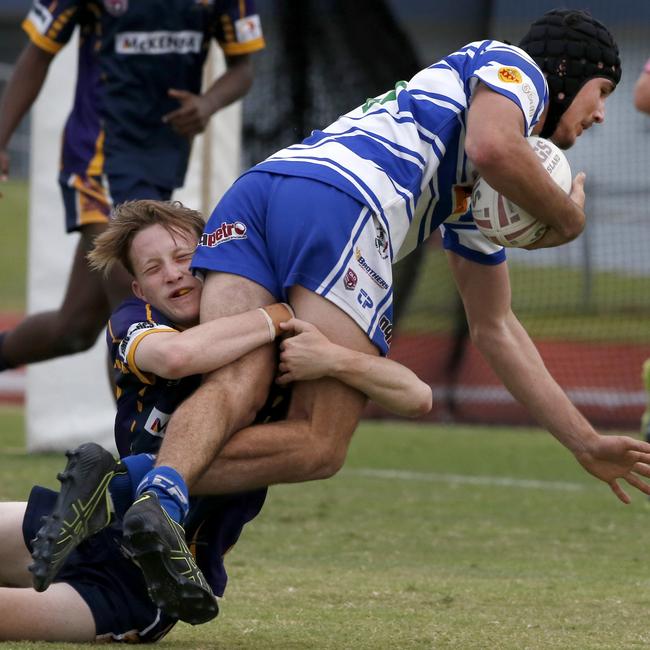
[[129, 324], [238, 29], [509, 71], [50, 25]]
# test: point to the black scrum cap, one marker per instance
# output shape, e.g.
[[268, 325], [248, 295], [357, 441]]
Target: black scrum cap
[[571, 47]]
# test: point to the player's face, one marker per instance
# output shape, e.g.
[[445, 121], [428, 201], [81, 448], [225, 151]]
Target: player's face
[[586, 109], [161, 267]]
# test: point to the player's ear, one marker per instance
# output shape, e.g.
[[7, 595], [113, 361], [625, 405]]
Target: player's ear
[[135, 287]]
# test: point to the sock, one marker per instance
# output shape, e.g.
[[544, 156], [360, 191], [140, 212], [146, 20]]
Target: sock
[[170, 488], [4, 364], [123, 485]]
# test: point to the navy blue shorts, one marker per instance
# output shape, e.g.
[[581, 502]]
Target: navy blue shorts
[[280, 231], [111, 585], [90, 199]]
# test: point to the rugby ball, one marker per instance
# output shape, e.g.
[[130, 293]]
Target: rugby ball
[[505, 223]]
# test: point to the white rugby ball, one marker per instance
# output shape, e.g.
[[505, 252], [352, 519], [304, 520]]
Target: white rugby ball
[[505, 223]]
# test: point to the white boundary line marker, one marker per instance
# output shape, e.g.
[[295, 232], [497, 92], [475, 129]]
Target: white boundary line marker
[[458, 479]]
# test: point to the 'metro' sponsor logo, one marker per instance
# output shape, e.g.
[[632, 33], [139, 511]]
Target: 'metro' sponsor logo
[[376, 278], [225, 232], [163, 42]]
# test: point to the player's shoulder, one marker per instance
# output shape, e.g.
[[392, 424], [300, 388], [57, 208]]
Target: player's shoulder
[[134, 311], [503, 53]]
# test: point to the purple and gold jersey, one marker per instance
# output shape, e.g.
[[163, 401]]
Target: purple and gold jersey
[[131, 52], [145, 404]]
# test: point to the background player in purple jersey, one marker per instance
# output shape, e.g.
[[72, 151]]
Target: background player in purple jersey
[[154, 358], [304, 224], [137, 105]]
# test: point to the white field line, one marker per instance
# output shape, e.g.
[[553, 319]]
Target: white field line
[[459, 479]]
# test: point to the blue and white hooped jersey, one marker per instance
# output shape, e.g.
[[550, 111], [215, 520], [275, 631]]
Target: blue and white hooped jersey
[[402, 154]]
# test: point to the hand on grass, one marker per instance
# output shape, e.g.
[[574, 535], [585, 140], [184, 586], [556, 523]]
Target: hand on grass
[[611, 458]]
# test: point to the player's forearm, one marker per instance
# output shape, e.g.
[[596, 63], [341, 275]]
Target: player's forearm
[[516, 361], [204, 348], [496, 146], [22, 89], [231, 86], [387, 383], [512, 168]]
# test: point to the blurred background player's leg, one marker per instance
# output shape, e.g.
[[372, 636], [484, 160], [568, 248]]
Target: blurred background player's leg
[[75, 326]]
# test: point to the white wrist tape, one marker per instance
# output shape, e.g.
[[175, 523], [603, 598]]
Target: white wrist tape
[[269, 322]]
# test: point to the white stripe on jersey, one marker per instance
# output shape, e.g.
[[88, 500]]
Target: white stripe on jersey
[[402, 153]]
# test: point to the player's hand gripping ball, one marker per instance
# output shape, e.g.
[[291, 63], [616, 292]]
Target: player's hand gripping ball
[[505, 223]]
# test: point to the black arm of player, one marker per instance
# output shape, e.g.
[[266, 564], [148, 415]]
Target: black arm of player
[[20, 93], [195, 111]]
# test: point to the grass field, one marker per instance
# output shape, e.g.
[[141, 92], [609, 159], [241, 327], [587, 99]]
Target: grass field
[[13, 245], [431, 537]]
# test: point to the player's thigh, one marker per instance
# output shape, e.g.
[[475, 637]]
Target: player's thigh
[[331, 407], [225, 294], [57, 614], [243, 384], [14, 553], [85, 305]]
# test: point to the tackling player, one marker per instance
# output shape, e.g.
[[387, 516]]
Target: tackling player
[[102, 594], [137, 106], [307, 224]]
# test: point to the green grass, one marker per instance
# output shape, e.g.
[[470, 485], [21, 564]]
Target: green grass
[[425, 559], [13, 245], [551, 302]]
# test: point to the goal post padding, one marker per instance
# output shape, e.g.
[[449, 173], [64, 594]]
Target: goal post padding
[[69, 400]]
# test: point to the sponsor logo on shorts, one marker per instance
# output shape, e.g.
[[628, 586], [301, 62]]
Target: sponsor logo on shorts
[[248, 28], [163, 42], [509, 75], [381, 242], [386, 328], [224, 233], [374, 276], [156, 423], [364, 299], [350, 280], [116, 7]]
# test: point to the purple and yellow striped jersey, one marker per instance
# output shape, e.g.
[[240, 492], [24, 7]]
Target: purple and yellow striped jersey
[[131, 52], [402, 154]]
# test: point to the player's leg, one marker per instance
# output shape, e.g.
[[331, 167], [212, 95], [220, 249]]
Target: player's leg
[[59, 614], [15, 555], [228, 399], [82, 508], [72, 328], [312, 443]]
